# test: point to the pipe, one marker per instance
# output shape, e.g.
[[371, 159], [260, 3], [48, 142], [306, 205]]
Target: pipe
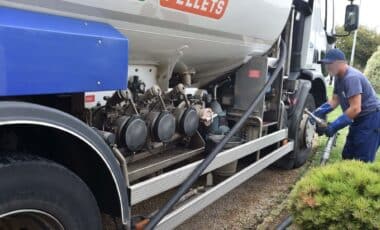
[[186, 185], [122, 162], [326, 153], [286, 223], [228, 79], [260, 133], [319, 121]]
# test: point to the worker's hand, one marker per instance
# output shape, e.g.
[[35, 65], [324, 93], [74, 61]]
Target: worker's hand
[[321, 130], [329, 131], [321, 112], [338, 124]]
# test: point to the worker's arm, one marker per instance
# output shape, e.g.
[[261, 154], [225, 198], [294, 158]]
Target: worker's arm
[[334, 101], [355, 106], [353, 92]]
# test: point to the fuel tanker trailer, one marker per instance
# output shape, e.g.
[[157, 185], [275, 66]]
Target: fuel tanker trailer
[[105, 105]]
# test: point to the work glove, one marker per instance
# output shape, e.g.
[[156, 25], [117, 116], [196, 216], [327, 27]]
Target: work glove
[[321, 112], [337, 125], [321, 130]]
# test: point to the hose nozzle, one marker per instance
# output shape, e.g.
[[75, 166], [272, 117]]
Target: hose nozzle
[[320, 122]]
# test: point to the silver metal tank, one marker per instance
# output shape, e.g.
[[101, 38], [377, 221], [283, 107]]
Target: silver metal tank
[[213, 36]]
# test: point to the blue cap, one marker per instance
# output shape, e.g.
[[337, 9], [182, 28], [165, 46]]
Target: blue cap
[[332, 56]]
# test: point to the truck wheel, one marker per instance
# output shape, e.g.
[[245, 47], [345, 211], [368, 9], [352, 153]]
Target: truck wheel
[[302, 132], [40, 194], [305, 134]]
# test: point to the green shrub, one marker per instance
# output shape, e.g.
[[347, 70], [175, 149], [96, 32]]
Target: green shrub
[[372, 70], [344, 195]]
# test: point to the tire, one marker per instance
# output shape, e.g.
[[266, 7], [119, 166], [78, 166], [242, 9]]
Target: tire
[[40, 194], [301, 152]]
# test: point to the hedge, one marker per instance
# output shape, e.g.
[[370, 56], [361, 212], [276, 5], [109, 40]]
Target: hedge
[[372, 70], [344, 195]]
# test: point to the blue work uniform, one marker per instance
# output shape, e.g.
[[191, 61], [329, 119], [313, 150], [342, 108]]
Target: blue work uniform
[[363, 138]]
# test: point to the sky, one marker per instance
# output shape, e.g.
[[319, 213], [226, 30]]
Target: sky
[[369, 13]]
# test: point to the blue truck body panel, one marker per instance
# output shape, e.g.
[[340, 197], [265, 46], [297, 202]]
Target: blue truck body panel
[[48, 54]]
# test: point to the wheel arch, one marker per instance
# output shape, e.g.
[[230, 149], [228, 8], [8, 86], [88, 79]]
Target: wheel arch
[[318, 87], [96, 159], [295, 116]]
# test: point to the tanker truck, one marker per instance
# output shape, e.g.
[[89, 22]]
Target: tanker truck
[[105, 105]]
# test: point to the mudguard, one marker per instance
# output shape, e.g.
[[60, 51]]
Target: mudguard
[[21, 113]]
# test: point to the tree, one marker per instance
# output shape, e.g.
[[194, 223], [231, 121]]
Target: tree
[[367, 42], [372, 70]]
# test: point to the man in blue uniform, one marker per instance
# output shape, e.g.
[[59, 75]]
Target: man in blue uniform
[[360, 105]]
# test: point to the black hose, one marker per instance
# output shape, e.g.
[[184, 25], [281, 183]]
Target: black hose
[[330, 143], [286, 223], [186, 185]]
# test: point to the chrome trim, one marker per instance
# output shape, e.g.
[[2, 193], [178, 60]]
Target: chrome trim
[[189, 209], [149, 188], [19, 211]]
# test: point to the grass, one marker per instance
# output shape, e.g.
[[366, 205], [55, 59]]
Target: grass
[[336, 153]]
